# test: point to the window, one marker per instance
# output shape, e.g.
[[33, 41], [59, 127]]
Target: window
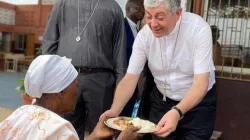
[[20, 44], [230, 25]]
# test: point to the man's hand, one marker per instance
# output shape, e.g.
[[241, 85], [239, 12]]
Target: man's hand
[[167, 123], [101, 131], [129, 134], [109, 114], [123, 93]]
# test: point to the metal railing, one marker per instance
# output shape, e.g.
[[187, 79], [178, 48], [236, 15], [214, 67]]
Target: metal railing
[[230, 24]]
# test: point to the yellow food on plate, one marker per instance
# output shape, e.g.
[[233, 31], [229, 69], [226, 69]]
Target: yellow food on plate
[[125, 123]]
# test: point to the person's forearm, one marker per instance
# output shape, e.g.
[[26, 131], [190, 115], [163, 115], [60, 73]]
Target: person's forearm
[[193, 96], [92, 136], [119, 75], [124, 92]]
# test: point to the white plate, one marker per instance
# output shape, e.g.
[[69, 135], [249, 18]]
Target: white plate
[[109, 123]]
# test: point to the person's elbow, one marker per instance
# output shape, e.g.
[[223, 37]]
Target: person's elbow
[[201, 81], [131, 77], [129, 80]]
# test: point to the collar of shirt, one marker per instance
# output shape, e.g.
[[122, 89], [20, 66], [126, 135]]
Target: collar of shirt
[[132, 24], [175, 30]]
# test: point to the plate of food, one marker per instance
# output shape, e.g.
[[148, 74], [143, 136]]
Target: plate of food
[[124, 123]]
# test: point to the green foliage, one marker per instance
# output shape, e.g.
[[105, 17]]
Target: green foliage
[[39, 51], [20, 88]]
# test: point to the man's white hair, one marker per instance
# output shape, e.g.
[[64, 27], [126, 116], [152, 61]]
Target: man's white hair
[[171, 5]]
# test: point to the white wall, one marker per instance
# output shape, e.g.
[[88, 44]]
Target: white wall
[[183, 4], [20, 2], [232, 30], [122, 3], [9, 1]]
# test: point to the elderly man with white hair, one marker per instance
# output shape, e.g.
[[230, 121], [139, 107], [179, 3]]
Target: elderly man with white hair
[[53, 81], [178, 48]]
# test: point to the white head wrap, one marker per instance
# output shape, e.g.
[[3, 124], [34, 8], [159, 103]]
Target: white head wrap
[[49, 74]]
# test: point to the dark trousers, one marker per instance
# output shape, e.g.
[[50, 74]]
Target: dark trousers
[[197, 124], [95, 97]]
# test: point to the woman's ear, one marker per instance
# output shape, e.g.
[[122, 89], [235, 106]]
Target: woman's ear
[[61, 94]]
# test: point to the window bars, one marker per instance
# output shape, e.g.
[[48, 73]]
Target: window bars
[[230, 25]]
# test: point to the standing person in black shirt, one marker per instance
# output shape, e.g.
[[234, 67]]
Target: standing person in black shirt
[[92, 34]]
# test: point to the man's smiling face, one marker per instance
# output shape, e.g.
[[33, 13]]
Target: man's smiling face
[[160, 20]]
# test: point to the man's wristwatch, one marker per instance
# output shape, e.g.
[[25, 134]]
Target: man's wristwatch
[[179, 111]]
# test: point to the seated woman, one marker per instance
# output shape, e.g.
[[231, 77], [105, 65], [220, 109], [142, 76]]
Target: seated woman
[[52, 80]]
